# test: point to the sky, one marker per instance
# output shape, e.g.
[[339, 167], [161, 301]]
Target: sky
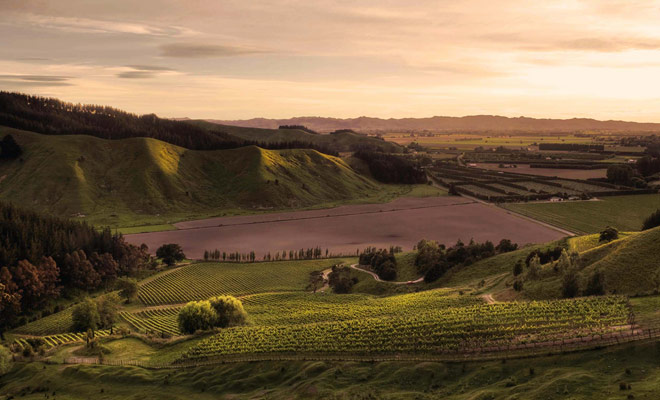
[[238, 59]]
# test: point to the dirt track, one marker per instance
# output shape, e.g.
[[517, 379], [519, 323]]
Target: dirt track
[[346, 229]]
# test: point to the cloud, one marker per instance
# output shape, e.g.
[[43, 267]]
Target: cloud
[[143, 71], [89, 25], [194, 50], [36, 80]]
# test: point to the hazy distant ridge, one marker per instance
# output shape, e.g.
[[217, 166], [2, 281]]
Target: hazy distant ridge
[[469, 123]]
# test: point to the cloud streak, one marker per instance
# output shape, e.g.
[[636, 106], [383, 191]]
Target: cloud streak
[[200, 50]]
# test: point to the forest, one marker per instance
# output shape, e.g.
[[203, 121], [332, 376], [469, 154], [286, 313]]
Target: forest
[[43, 258], [388, 168]]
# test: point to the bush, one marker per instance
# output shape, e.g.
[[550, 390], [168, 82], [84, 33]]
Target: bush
[[9, 149], [170, 253], [340, 280], [596, 284], [6, 360], [609, 234], [652, 221], [570, 284], [197, 315], [229, 311], [85, 316], [518, 268]]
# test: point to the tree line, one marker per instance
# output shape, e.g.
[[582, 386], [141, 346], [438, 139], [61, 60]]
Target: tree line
[[389, 168], [54, 117], [433, 260], [44, 257]]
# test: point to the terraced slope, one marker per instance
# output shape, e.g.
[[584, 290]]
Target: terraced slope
[[143, 181]]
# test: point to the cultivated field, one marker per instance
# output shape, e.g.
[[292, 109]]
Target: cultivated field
[[560, 173], [346, 229], [626, 213]]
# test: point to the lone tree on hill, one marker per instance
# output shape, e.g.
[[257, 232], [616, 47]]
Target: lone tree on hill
[[609, 234], [9, 149], [85, 316], [229, 311], [170, 253]]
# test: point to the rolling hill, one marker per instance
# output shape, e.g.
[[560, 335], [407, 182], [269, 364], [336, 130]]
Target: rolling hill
[[343, 141], [139, 181], [482, 123]]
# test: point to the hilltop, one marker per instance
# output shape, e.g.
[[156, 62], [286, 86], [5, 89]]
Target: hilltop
[[139, 181], [472, 123]]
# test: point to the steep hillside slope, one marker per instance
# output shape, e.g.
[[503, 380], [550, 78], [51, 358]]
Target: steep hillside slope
[[344, 141], [140, 180]]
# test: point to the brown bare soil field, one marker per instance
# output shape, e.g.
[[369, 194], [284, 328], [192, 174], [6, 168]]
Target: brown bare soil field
[[560, 173], [346, 229]]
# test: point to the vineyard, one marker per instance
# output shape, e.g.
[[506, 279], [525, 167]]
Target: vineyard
[[425, 330], [55, 323], [163, 321], [204, 280], [63, 338]]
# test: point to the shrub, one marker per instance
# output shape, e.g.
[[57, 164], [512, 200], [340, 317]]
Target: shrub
[[570, 285], [6, 360], [596, 284], [518, 268], [229, 311], [652, 221], [197, 315], [85, 316], [518, 285], [340, 280], [609, 234]]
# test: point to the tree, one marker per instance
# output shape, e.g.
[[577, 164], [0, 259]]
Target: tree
[[128, 288], [595, 284], [518, 268], [49, 275], [85, 316], [170, 253], [340, 279], [570, 285], [27, 279], [6, 360], [9, 148], [106, 266], [620, 174], [534, 267], [107, 307], [316, 280], [229, 311], [10, 308], [506, 246], [197, 315], [609, 234], [79, 271], [652, 221]]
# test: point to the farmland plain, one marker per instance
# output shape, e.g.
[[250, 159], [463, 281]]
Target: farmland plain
[[344, 230]]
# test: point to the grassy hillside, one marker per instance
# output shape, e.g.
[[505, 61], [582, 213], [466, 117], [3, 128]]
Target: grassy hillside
[[141, 181], [341, 142], [626, 213]]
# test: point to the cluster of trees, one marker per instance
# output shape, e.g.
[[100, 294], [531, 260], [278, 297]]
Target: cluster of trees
[[9, 149], [44, 257], [221, 311], [95, 314], [54, 117], [434, 259], [170, 253], [389, 168], [544, 256], [567, 266], [571, 147], [648, 165], [298, 127], [311, 253], [340, 279], [381, 261], [625, 175]]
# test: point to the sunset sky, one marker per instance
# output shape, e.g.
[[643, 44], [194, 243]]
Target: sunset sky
[[235, 59]]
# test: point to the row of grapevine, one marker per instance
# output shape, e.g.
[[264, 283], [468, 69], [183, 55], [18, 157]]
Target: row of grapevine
[[428, 330], [154, 321], [63, 338]]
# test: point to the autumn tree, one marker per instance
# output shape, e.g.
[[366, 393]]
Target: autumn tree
[[27, 279]]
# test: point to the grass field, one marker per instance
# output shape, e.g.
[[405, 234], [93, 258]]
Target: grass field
[[626, 213], [204, 280], [141, 181]]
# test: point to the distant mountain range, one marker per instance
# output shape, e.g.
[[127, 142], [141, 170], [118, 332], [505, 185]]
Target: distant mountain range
[[474, 123]]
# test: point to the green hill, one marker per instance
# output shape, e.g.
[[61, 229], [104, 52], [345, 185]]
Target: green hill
[[140, 181], [344, 141]]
